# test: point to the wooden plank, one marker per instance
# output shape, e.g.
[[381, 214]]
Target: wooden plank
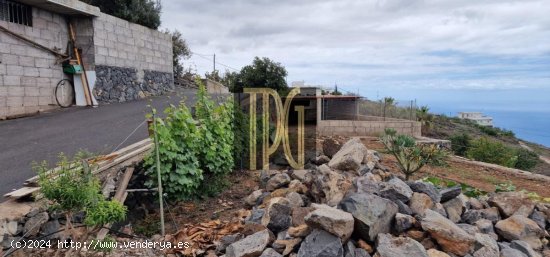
[[104, 160], [24, 191], [123, 184], [104, 231]]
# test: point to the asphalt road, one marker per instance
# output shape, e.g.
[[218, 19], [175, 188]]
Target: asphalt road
[[97, 130]]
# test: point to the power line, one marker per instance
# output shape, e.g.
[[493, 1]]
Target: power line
[[205, 56]]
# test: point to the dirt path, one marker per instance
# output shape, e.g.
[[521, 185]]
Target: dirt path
[[542, 158]]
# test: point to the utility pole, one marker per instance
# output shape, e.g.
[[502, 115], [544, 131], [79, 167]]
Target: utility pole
[[214, 63]]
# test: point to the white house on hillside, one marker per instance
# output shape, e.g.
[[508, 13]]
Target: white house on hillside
[[478, 117]]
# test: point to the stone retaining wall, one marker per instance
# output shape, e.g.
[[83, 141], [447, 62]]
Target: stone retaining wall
[[367, 128]]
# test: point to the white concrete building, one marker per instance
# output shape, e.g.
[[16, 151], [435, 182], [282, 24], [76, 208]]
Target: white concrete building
[[478, 117]]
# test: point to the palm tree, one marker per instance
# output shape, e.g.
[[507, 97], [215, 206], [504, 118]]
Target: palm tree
[[425, 117], [388, 102]]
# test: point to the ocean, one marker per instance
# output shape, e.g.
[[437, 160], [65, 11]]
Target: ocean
[[526, 112]]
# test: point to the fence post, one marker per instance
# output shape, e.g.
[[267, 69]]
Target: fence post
[[158, 175]]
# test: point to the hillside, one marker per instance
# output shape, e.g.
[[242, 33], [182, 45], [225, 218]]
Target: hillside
[[443, 127]]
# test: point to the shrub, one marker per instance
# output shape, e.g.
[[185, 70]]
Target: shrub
[[491, 151], [460, 143], [196, 152], [410, 156], [526, 160]]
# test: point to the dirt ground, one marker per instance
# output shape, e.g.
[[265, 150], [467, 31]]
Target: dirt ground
[[473, 175]]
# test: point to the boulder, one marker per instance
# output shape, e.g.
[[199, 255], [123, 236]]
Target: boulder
[[395, 189], [540, 218], [426, 188], [332, 220], [510, 203], [436, 253], [389, 246], [471, 216], [277, 181], [420, 202], [373, 214], [350, 156], [403, 222], [321, 244], [450, 193], [328, 186], [449, 236], [250, 246], [331, 147], [518, 227]]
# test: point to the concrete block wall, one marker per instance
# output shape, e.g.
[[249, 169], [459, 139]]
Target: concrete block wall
[[123, 44], [367, 128], [28, 75]]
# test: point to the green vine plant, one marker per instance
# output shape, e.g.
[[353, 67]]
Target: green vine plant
[[410, 156], [196, 151], [72, 188]]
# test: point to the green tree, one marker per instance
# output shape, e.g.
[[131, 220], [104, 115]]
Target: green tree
[[180, 50], [425, 117], [263, 72], [388, 103], [143, 12]]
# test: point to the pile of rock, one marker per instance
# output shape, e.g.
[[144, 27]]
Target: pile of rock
[[353, 206]]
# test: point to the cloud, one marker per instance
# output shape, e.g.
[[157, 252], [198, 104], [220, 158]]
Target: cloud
[[369, 44]]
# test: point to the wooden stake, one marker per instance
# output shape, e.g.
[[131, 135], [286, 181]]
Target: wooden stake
[[85, 86]]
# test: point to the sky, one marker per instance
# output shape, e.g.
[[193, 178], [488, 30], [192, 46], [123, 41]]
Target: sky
[[371, 46]]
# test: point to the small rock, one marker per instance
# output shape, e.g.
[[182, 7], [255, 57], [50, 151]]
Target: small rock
[[332, 220], [287, 246], [365, 246], [420, 202], [471, 216], [227, 240], [524, 247], [367, 184], [300, 175], [373, 214], [298, 215], [323, 159], [299, 231], [252, 199], [491, 214], [49, 229], [297, 186], [438, 207], [518, 227], [389, 246], [426, 188], [321, 244], [395, 189], [485, 226], [328, 186], [32, 226], [540, 218], [269, 252], [11, 228], [277, 216], [448, 235], [436, 253], [255, 216], [403, 208], [470, 229], [250, 246], [475, 204], [509, 252], [331, 147], [277, 181], [486, 246], [295, 200], [450, 193], [403, 222], [454, 209]]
